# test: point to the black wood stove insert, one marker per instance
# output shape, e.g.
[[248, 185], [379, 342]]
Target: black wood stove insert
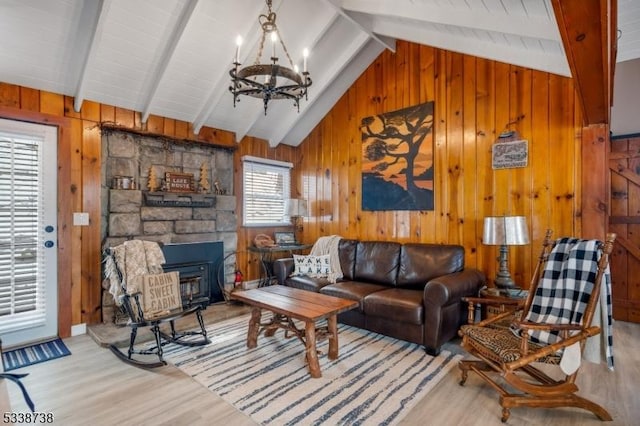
[[197, 264]]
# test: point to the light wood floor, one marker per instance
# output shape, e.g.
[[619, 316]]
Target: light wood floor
[[93, 387]]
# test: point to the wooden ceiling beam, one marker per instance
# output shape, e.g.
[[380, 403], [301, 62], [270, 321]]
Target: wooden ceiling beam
[[587, 29], [91, 29], [169, 50]]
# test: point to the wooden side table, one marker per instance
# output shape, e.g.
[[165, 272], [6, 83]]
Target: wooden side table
[[502, 303], [510, 303], [266, 255]]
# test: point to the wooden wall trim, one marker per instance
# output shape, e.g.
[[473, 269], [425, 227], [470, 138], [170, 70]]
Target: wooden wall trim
[[595, 181], [629, 136], [64, 207], [155, 134]]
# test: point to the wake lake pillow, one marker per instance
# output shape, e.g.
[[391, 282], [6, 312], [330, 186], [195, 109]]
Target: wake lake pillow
[[315, 266]]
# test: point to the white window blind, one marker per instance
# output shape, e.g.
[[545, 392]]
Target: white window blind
[[266, 186], [22, 281]]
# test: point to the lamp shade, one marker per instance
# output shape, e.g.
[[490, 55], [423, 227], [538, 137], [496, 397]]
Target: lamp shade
[[295, 207], [505, 230]]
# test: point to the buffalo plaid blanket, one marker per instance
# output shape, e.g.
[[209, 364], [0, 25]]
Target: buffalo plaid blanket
[[564, 290]]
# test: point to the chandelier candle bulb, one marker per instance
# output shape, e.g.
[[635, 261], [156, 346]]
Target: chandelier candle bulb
[[238, 44], [274, 39], [305, 55]]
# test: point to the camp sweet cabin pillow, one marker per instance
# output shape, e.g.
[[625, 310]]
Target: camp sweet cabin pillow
[[314, 266]]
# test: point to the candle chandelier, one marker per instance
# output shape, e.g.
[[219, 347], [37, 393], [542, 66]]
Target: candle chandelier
[[269, 81]]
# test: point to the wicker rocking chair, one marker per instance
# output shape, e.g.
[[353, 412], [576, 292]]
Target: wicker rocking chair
[[552, 328]]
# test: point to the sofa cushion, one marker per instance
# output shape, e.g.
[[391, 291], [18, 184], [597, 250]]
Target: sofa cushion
[[419, 263], [401, 305], [305, 282], [351, 290], [377, 262], [347, 254]]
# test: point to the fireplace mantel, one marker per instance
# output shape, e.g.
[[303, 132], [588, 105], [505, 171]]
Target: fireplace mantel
[[178, 199]]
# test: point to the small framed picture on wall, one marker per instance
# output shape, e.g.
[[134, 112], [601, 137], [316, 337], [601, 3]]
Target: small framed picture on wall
[[510, 155]]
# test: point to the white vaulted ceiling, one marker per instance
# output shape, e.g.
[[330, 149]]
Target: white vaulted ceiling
[[172, 58]]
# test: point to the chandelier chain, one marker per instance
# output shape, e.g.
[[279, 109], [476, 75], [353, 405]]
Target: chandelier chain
[[269, 25], [286, 52], [259, 55], [269, 17]]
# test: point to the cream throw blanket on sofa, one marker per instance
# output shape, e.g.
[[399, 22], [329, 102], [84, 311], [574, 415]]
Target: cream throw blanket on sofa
[[329, 245], [133, 259]]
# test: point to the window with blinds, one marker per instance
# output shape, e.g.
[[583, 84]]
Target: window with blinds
[[22, 281], [266, 184]]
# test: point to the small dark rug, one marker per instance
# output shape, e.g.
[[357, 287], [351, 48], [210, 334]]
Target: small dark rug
[[34, 354]]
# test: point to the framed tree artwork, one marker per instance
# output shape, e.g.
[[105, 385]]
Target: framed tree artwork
[[397, 159]]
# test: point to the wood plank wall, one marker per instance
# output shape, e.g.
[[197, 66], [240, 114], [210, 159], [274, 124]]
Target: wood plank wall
[[475, 100], [80, 263]]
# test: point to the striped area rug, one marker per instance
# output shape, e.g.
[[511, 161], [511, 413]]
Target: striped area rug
[[34, 354], [375, 381]]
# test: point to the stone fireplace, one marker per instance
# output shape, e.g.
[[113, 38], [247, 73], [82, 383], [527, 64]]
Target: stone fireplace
[[203, 214]]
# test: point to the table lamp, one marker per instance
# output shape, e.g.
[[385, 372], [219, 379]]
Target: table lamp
[[296, 208], [505, 231]]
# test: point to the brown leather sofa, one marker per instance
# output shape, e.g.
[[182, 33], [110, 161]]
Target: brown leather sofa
[[408, 291]]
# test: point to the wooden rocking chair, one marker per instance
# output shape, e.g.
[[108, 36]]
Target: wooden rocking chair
[[509, 344], [141, 316]]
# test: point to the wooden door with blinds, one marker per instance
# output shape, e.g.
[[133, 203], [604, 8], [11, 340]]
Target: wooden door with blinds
[[624, 220], [28, 244]]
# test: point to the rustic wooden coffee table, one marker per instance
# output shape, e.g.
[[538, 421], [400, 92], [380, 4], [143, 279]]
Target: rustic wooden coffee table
[[287, 304]]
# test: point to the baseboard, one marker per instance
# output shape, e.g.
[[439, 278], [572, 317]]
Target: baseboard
[[78, 329]]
